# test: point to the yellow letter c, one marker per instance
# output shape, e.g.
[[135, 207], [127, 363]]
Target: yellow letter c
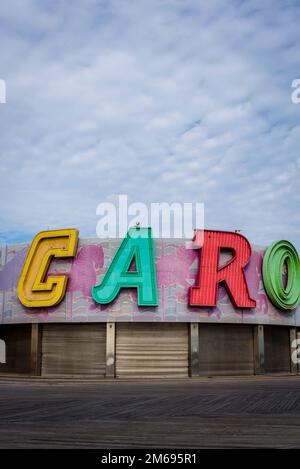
[[33, 290]]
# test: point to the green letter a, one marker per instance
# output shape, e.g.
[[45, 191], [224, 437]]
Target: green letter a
[[138, 245]]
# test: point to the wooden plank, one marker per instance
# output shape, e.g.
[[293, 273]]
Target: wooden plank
[[216, 413]]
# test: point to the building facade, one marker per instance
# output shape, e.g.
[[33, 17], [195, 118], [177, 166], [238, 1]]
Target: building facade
[[121, 338]]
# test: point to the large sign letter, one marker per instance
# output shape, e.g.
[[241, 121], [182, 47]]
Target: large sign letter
[[137, 246], [278, 254], [34, 290], [231, 274]]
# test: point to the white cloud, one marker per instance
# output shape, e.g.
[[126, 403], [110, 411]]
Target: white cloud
[[162, 100]]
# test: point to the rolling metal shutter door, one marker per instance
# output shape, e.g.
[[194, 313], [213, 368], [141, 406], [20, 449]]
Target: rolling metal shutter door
[[74, 349], [17, 339], [277, 349], [152, 350], [226, 349]]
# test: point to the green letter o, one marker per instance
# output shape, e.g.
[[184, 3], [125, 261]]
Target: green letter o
[[275, 256]]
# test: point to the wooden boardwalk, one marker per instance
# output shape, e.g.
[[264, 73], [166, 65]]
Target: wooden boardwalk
[[246, 412]]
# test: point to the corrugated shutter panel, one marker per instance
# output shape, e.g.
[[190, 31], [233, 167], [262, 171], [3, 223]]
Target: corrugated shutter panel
[[277, 349], [74, 349], [152, 350], [226, 349]]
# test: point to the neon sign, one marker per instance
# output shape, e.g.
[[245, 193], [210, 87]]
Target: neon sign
[[133, 267], [232, 274], [34, 290], [137, 247]]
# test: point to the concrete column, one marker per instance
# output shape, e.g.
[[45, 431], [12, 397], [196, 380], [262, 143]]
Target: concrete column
[[293, 336], [298, 338], [259, 350], [110, 349], [194, 349], [35, 350]]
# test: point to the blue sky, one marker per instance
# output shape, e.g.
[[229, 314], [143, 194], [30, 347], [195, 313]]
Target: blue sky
[[166, 101]]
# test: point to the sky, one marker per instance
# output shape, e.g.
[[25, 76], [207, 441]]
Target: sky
[[166, 101]]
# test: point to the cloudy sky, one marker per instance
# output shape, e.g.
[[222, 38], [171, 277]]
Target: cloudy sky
[[166, 101]]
